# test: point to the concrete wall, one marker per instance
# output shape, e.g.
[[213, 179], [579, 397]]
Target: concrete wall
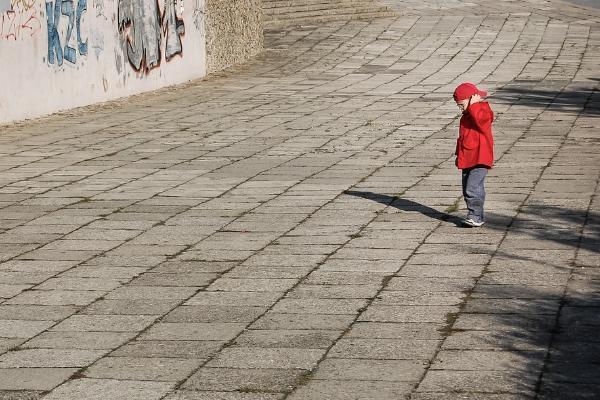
[[60, 54], [234, 32]]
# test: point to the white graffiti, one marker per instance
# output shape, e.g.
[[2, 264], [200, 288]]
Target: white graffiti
[[143, 41], [140, 22], [174, 28]]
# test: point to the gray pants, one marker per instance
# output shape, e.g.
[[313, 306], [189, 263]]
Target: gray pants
[[474, 191]]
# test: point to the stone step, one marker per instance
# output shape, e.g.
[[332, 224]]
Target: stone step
[[285, 3], [306, 13], [282, 13], [283, 23], [275, 4], [303, 7]]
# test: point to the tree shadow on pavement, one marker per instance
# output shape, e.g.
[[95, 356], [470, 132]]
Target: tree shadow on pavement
[[545, 344], [570, 101], [555, 224], [537, 306], [405, 205], [530, 326]]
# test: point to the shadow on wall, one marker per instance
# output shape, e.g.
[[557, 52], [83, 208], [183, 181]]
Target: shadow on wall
[[569, 101]]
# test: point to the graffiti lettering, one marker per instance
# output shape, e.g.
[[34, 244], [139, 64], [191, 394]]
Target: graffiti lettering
[[19, 21], [54, 47], [174, 28], [143, 42], [81, 8], [140, 23], [67, 10], [53, 14], [9, 27], [23, 4]]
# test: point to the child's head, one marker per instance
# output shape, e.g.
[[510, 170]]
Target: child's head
[[466, 94]]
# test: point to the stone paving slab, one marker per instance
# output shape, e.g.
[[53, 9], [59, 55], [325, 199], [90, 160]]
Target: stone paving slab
[[289, 229]]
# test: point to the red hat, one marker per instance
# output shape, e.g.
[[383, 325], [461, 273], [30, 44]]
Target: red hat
[[466, 90]]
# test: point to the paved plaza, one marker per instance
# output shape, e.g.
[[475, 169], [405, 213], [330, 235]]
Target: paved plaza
[[289, 229]]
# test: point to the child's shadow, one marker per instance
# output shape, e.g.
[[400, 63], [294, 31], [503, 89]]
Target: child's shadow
[[406, 205]]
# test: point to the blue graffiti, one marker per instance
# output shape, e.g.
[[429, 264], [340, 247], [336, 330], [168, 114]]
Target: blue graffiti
[[67, 10], [81, 8], [54, 47], [54, 11]]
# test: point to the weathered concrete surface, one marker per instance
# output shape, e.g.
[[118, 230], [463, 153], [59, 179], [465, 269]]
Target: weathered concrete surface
[[234, 32], [287, 231]]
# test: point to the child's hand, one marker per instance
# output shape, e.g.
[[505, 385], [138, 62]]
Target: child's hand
[[466, 103]]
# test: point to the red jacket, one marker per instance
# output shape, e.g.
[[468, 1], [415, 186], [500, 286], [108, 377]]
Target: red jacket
[[475, 144]]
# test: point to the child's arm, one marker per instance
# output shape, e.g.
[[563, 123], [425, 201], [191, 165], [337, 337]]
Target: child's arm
[[480, 115]]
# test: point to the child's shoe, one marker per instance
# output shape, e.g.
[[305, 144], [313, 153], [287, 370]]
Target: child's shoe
[[470, 222]]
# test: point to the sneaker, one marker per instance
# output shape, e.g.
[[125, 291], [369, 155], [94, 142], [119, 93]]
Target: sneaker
[[470, 222]]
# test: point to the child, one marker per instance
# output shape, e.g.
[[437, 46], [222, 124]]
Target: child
[[474, 148]]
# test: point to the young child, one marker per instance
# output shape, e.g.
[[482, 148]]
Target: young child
[[474, 148]]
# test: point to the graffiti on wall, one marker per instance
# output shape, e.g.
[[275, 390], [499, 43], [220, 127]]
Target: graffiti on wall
[[173, 28], [19, 19], [96, 36], [198, 15], [72, 39], [142, 26]]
